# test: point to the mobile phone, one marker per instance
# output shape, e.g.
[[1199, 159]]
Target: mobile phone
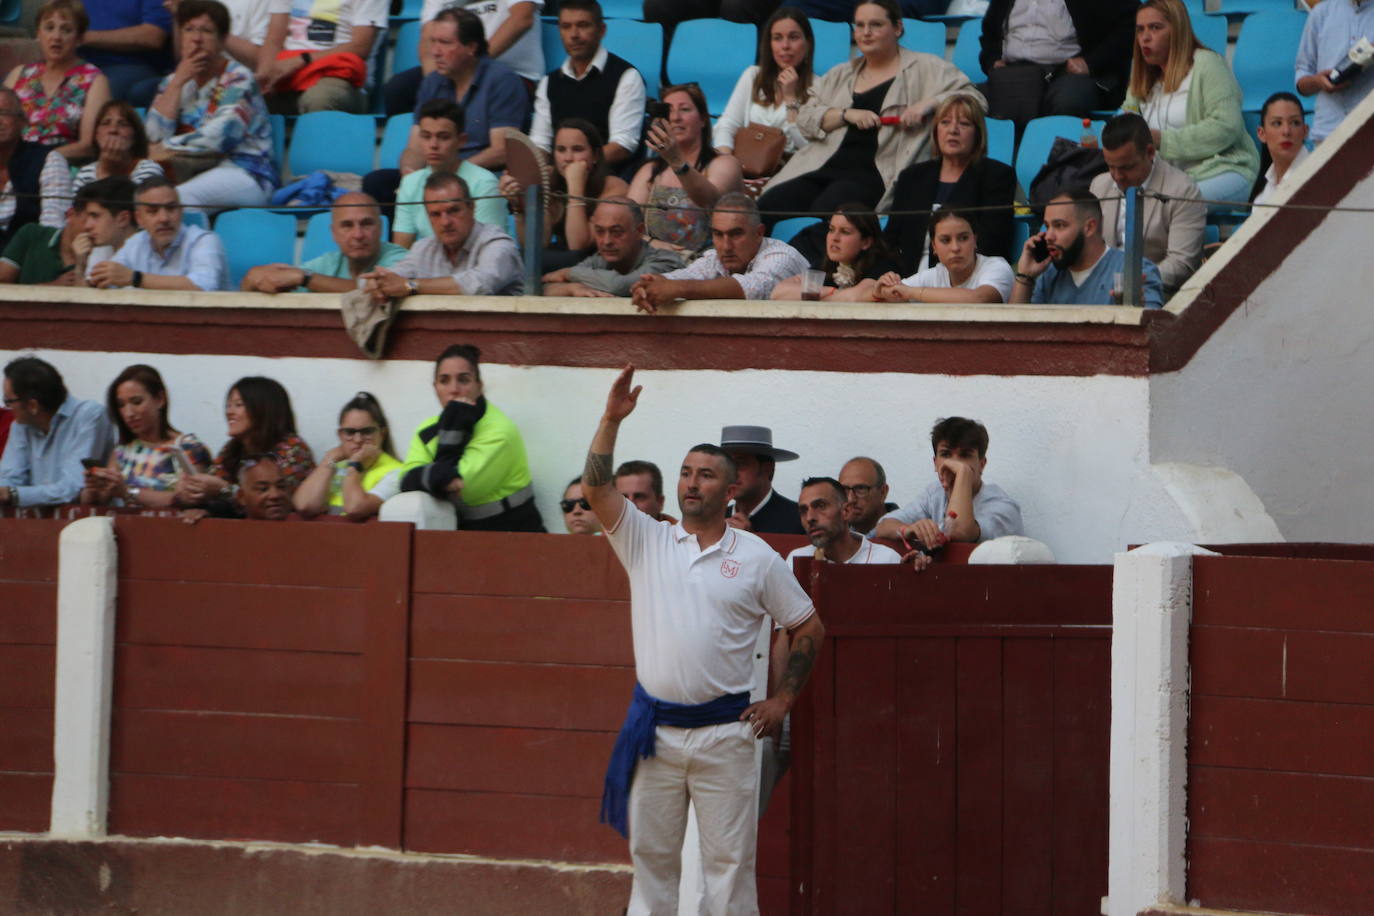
[[658, 110], [89, 463], [1040, 250]]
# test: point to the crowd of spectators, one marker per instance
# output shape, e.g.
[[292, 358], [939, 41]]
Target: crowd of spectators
[[126, 452], [890, 129]]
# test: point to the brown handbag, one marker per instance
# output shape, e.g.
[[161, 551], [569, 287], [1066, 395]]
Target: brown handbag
[[759, 149]]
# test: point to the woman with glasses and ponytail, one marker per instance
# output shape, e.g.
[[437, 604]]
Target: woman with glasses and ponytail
[[360, 473]]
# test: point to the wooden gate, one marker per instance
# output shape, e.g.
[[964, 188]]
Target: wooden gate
[[951, 752]]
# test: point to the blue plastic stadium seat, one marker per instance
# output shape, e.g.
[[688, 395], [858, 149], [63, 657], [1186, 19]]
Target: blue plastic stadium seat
[[640, 43], [621, 9], [832, 44], [407, 51], [1020, 231], [332, 140], [278, 124], [787, 229], [394, 139], [319, 240], [967, 46], [1265, 51], [410, 9], [919, 35], [1001, 140], [551, 43], [1248, 7], [1039, 138], [253, 237], [1211, 31], [10, 11], [712, 53], [194, 218]]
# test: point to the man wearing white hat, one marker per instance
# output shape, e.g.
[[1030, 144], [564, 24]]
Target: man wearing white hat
[[758, 507]]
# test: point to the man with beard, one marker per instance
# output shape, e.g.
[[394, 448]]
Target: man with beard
[[822, 503], [698, 593], [1081, 268]]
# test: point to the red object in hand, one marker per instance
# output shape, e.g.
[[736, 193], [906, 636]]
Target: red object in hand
[[890, 119]]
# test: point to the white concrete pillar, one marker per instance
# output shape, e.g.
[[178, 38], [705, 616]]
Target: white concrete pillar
[[86, 583], [1152, 600]]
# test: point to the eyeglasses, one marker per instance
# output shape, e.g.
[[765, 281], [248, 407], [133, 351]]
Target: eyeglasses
[[568, 504], [859, 490], [361, 432]]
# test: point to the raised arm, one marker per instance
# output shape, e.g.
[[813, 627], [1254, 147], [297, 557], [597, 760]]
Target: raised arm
[[598, 477]]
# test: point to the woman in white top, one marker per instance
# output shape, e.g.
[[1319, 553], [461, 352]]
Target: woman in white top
[[1191, 100], [1283, 133], [772, 92], [963, 275]]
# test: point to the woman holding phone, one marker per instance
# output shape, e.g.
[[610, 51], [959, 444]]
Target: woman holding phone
[[152, 457]]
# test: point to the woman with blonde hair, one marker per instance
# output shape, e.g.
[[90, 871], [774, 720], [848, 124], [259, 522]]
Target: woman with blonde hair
[[960, 175], [1191, 100]]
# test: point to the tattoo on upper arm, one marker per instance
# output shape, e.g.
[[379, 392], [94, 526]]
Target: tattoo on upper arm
[[597, 473], [799, 663]]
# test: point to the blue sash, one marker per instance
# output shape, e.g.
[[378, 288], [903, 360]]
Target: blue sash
[[636, 740]]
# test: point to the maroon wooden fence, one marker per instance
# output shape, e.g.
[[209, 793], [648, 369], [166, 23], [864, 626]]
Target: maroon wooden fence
[[1281, 737], [28, 635], [952, 748]]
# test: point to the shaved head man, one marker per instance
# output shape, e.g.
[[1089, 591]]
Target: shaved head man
[[356, 225]]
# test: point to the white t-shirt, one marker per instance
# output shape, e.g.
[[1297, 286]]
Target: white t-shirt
[[526, 56], [321, 25], [248, 19], [696, 613], [988, 270], [1272, 185], [869, 553]]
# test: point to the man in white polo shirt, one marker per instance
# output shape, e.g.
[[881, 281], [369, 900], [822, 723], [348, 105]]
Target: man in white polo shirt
[[698, 593]]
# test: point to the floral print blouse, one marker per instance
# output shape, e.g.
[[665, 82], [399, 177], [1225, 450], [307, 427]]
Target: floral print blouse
[[293, 457], [54, 120]]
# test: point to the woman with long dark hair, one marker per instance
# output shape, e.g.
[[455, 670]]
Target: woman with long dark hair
[[260, 421], [855, 257], [962, 275], [152, 456], [678, 188], [356, 476], [580, 173]]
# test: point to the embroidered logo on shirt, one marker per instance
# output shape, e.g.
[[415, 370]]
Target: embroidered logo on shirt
[[729, 568]]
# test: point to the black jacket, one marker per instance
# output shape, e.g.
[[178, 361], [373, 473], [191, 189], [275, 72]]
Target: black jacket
[[25, 166], [983, 183], [779, 515], [1106, 30]]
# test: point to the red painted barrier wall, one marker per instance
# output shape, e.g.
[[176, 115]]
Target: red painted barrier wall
[[1281, 737], [28, 635], [952, 748]]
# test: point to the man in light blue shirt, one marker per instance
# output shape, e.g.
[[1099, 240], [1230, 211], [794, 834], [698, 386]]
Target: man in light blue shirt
[[52, 433], [1080, 269], [356, 225], [1332, 28], [166, 254], [439, 123]]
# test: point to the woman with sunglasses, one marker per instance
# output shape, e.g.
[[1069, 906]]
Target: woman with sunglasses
[[679, 186], [578, 516], [867, 119], [360, 473]]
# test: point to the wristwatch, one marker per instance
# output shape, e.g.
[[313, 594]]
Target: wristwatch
[[684, 168], [412, 287], [137, 280], [356, 465], [306, 277], [134, 493]]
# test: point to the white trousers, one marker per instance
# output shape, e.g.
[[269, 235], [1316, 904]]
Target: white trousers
[[713, 768], [226, 185]]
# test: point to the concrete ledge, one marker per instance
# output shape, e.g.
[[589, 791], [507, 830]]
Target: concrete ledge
[[121, 875]]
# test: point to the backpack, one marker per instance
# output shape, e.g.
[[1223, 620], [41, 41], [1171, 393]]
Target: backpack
[[1069, 166]]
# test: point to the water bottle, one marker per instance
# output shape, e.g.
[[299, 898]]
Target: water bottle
[[1089, 138]]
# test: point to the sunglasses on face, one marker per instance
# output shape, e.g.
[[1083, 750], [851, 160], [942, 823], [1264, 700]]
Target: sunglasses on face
[[568, 504], [362, 432]]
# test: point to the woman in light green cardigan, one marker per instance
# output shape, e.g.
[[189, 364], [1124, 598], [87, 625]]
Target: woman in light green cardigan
[[1191, 100]]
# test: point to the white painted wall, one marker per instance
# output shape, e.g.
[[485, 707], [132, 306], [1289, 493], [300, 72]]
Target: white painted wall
[[1072, 450], [1280, 393]]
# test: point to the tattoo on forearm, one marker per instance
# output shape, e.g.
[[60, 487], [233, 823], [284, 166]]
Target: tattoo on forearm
[[597, 473], [799, 664]]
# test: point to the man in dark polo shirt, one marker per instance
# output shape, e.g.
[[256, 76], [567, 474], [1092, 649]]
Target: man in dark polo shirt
[[758, 507], [591, 84]]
